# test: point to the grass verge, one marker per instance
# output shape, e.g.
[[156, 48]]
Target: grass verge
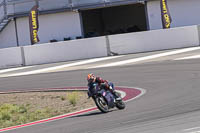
[[21, 108]]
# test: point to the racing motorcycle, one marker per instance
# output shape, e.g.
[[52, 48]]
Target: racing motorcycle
[[104, 99]]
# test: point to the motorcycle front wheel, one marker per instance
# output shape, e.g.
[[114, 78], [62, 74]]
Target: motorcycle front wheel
[[101, 104], [120, 105]]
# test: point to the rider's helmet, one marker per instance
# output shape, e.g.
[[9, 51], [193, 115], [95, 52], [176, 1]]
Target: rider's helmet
[[90, 77]]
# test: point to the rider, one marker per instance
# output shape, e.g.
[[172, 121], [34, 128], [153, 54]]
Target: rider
[[103, 83]]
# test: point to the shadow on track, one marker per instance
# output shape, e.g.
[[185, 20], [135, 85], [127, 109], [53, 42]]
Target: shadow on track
[[92, 114]]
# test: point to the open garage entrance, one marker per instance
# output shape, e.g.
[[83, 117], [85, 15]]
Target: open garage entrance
[[114, 20]]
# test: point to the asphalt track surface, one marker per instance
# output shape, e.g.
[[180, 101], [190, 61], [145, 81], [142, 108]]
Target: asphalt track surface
[[170, 105]]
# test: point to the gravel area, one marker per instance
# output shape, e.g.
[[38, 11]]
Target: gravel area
[[58, 101], [39, 105]]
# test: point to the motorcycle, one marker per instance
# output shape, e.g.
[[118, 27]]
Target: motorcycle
[[104, 99]]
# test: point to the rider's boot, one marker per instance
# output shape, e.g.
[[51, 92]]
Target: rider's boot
[[117, 98]]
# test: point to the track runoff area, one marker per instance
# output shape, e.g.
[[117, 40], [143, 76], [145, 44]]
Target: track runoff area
[[127, 93]]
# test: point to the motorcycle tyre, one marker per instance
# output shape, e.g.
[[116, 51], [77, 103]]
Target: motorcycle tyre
[[102, 109], [120, 105]]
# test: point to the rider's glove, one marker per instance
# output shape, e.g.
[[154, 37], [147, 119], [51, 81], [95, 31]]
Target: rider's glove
[[110, 87]]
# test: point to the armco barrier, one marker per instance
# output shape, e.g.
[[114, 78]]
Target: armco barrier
[[154, 40], [10, 57], [65, 51]]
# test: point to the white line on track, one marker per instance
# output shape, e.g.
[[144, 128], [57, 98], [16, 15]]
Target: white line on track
[[13, 69], [61, 66], [189, 57], [190, 129], [194, 132], [147, 57]]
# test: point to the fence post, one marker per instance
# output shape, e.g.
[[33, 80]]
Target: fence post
[[108, 46], [37, 2], [70, 4], [23, 56], [5, 9]]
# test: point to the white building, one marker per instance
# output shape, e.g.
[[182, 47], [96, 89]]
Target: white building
[[64, 19], [183, 13]]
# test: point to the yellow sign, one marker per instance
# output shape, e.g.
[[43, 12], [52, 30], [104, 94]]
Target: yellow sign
[[34, 25], [166, 19]]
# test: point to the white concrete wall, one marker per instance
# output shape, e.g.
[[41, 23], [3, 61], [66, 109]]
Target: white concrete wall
[[183, 13], [51, 26], [10, 57], [65, 51], [96, 47], [8, 36], [154, 40]]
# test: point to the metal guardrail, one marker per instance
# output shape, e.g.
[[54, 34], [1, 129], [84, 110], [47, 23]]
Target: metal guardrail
[[2, 9], [3, 15]]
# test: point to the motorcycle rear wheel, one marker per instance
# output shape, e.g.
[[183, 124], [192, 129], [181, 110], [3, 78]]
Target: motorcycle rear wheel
[[101, 104]]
